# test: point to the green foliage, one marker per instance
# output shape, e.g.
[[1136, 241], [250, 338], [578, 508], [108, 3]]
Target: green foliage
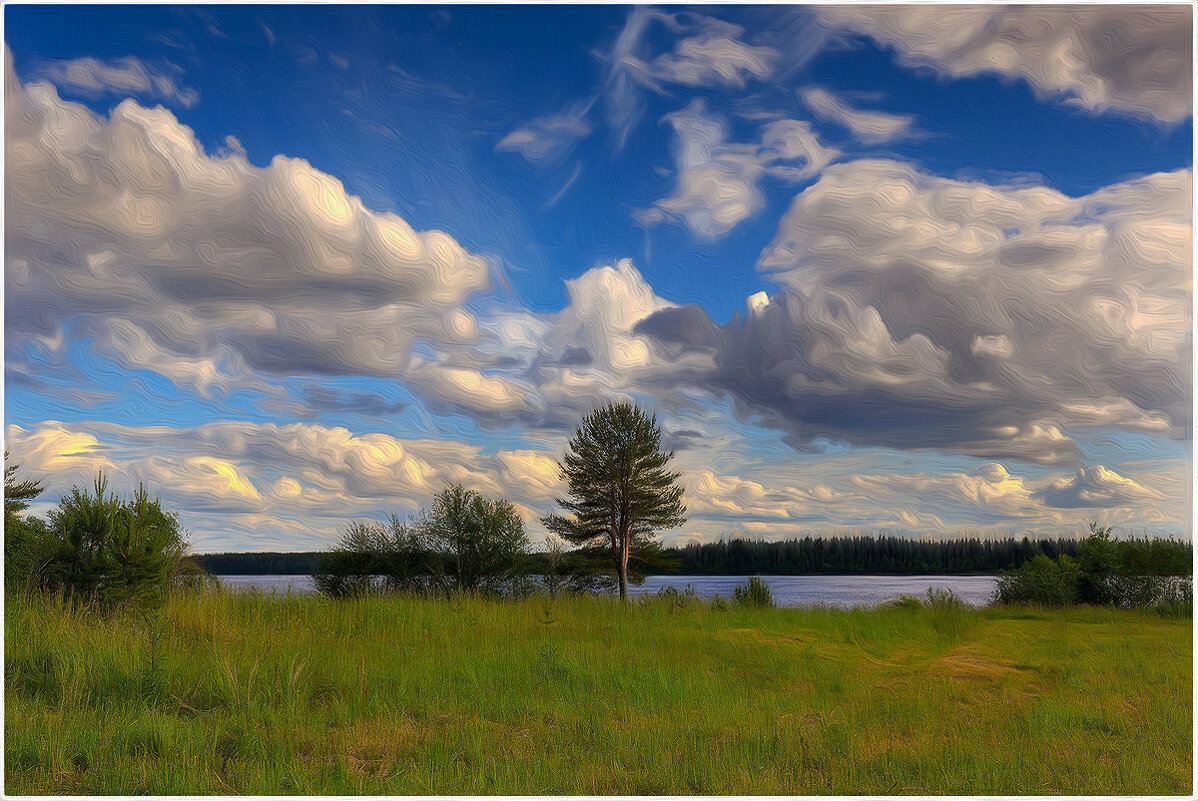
[[1131, 574], [474, 544], [22, 535], [756, 593], [462, 543], [873, 555], [620, 491], [372, 558], [103, 550]]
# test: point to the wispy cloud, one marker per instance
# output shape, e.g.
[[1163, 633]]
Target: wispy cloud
[[706, 52], [549, 140], [870, 127], [126, 76]]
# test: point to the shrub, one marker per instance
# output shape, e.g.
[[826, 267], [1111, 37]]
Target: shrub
[[100, 549], [755, 593], [1107, 572], [371, 558], [1041, 581], [672, 597], [462, 543]]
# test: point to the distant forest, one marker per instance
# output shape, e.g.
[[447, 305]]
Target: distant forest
[[799, 557]]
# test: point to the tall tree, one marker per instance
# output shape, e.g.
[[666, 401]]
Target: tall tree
[[620, 490]]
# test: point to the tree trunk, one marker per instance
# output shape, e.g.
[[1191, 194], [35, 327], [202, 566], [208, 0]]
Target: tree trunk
[[622, 570]]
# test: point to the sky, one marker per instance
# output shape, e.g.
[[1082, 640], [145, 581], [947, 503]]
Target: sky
[[920, 271]]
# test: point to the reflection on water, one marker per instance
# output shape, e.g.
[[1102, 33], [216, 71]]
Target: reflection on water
[[842, 591]]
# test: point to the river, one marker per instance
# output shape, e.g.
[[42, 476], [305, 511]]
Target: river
[[841, 591]]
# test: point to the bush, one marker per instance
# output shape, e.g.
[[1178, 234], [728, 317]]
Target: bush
[[474, 544], [101, 550], [1132, 574], [462, 543], [371, 558], [1041, 581], [755, 593], [672, 597]]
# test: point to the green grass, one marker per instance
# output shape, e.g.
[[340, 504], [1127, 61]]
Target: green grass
[[240, 694]]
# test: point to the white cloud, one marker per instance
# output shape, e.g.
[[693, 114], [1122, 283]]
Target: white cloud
[[870, 127], [714, 56], [125, 76], [1131, 59], [231, 473], [207, 268], [717, 185], [1096, 487]]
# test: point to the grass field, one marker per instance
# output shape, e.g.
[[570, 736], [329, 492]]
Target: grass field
[[235, 694]]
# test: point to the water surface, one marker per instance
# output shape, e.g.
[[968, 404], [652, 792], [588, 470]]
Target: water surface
[[841, 591]]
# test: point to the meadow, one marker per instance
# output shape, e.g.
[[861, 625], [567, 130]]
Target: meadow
[[224, 693]]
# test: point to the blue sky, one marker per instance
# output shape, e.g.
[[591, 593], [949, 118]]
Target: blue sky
[[921, 269]]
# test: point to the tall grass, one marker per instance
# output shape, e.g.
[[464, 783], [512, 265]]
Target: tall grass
[[243, 694]]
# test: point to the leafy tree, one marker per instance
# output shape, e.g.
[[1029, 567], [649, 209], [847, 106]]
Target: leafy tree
[[462, 542], [620, 490], [371, 558], [1098, 559], [474, 544]]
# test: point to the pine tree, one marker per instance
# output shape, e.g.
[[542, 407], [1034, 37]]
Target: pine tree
[[620, 490]]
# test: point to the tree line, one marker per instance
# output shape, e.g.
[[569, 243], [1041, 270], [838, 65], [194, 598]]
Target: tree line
[[866, 555], [848, 556]]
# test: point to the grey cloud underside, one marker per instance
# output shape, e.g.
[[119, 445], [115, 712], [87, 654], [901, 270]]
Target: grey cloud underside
[[918, 312], [1095, 487], [1129, 59]]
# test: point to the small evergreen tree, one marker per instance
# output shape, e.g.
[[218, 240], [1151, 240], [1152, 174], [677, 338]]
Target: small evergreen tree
[[620, 491], [108, 551]]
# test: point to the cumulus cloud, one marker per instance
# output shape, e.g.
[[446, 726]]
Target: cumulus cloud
[[200, 267], [717, 185], [126, 76], [1095, 487], [548, 140], [870, 127], [1130, 59], [232, 472], [547, 370], [923, 312]]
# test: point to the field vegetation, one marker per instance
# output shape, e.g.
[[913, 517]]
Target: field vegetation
[[224, 693]]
